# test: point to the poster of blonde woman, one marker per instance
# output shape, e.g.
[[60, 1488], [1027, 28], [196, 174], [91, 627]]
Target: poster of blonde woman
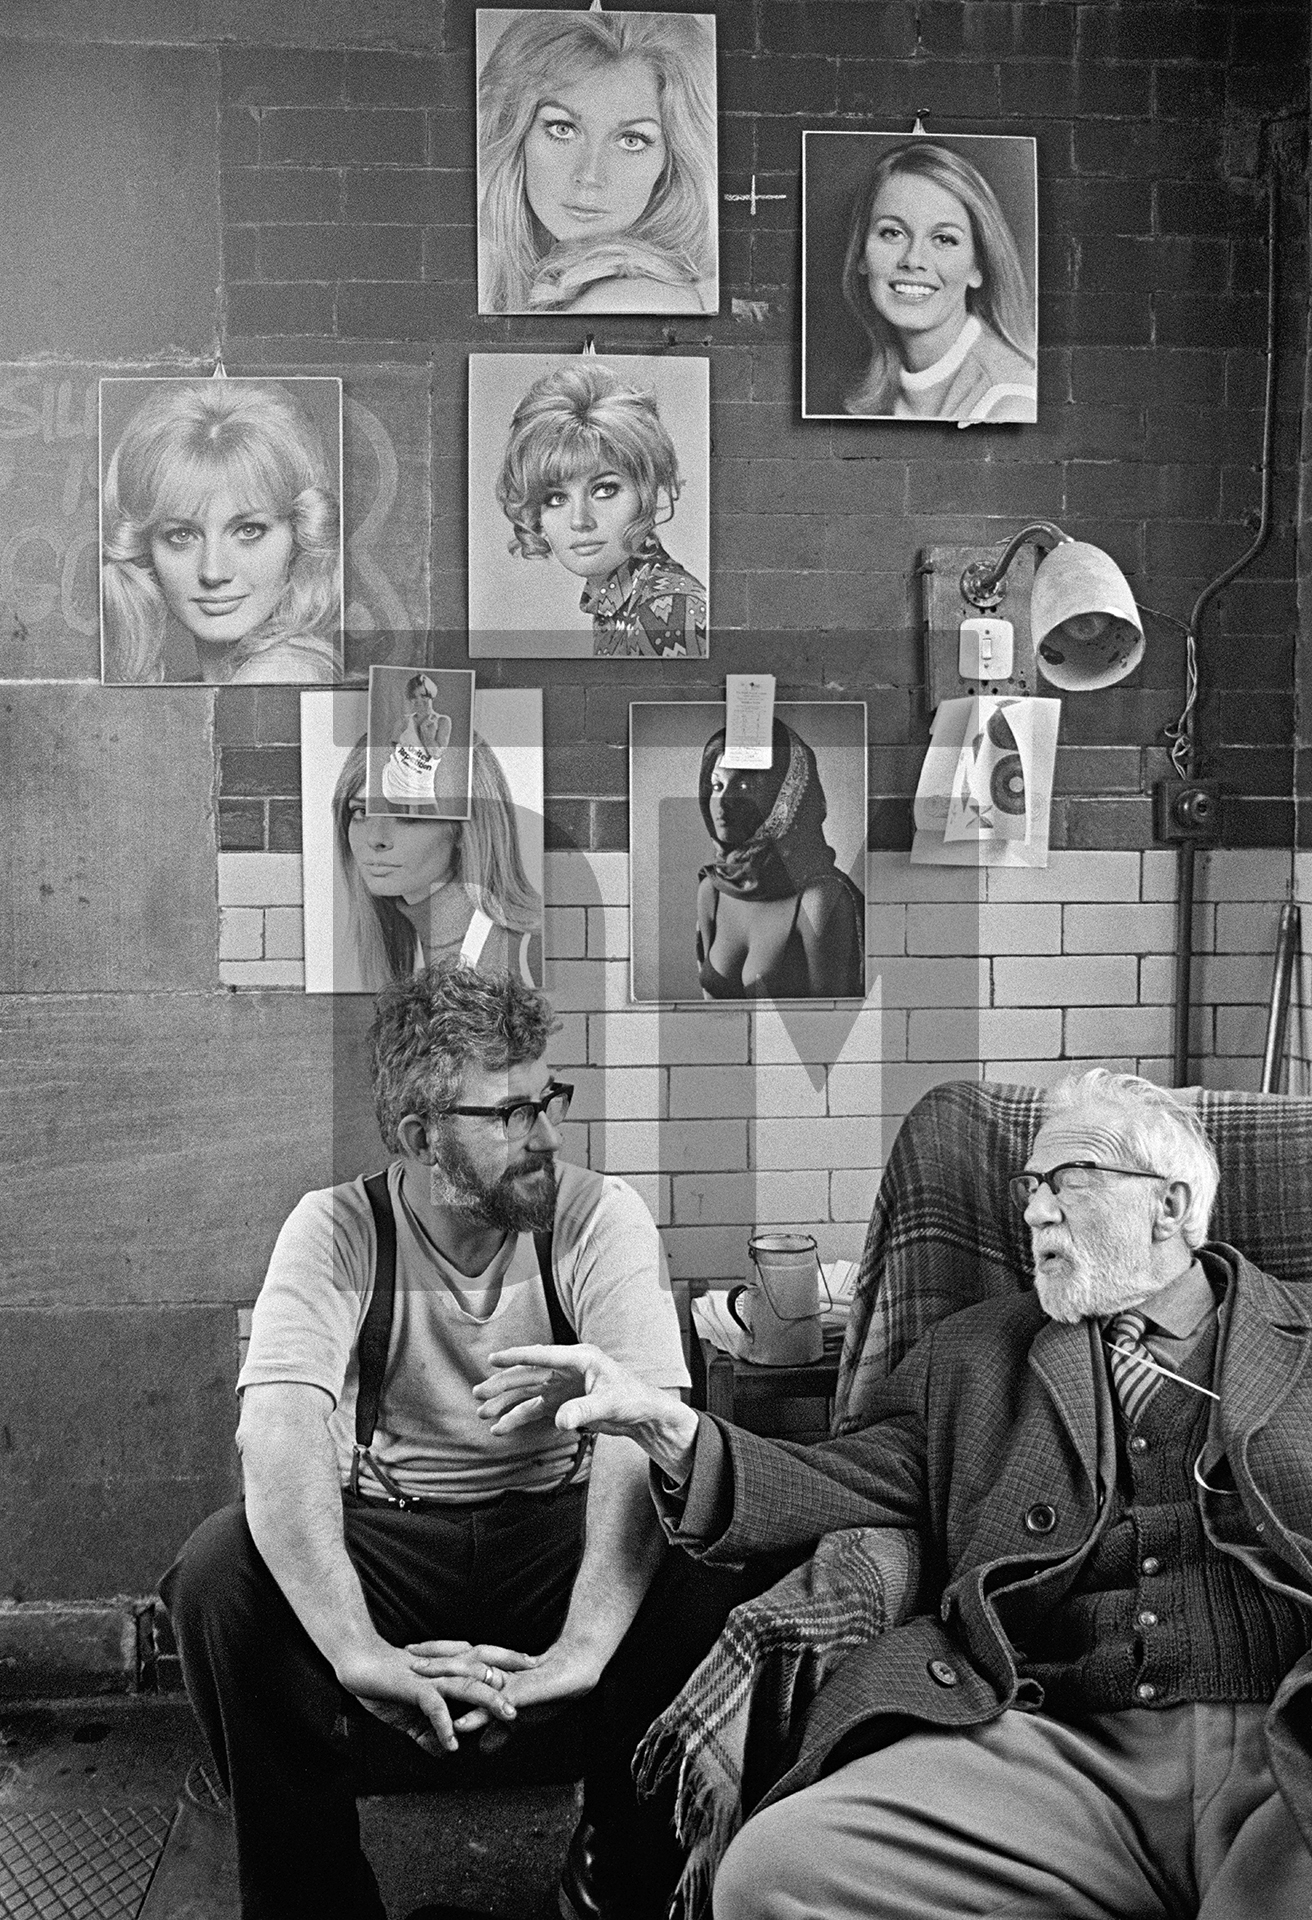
[[589, 524], [386, 893], [220, 531], [597, 179], [920, 278]]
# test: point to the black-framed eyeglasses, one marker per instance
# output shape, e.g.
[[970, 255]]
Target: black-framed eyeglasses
[[519, 1117], [1023, 1186]]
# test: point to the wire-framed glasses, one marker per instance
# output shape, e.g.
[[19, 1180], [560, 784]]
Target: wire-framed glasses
[[1069, 1177], [519, 1117]]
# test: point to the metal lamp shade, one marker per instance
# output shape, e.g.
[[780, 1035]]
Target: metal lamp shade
[[1087, 630]]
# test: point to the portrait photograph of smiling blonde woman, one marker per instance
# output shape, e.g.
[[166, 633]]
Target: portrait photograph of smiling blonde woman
[[220, 531], [920, 278], [589, 526], [597, 178]]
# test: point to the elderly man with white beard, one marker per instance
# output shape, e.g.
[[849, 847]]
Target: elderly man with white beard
[[1103, 1708]]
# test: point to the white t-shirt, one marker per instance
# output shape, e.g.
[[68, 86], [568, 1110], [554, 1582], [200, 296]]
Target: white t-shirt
[[611, 1278]]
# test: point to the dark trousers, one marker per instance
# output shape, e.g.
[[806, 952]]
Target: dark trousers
[[293, 1749], [637, 1859]]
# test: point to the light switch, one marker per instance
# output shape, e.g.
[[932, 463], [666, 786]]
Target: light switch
[[987, 649]]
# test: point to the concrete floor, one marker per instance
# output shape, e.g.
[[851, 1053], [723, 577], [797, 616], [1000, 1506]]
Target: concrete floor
[[117, 1766]]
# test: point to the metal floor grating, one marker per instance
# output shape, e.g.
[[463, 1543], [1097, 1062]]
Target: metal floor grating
[[80, 1863]]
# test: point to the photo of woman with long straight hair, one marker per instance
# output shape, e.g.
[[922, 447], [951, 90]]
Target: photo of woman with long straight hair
[[389, 891], [937, 290], [596, 163]]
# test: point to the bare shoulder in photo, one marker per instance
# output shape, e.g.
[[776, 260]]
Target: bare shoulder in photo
[[919, 278], [748, 884], [597, 172]]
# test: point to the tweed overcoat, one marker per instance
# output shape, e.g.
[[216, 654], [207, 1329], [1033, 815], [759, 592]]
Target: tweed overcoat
[[995, 1441]]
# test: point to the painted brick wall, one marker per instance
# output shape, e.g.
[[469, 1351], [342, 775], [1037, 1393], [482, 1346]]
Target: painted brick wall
[[339, 205], [348, 235], [726, 1118]]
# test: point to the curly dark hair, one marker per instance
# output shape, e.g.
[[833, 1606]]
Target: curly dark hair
[[431, 1028]]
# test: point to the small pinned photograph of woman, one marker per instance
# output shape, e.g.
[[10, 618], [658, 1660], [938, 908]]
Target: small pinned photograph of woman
[[748, 885], [588, 519], [388, 893], [220, 531], [920, 279], [597, 177], [419, 749]]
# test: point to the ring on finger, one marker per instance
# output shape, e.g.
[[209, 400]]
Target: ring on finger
[[489, 1675]]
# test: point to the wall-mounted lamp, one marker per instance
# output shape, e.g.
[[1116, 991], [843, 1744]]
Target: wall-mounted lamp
[[1078, 625], [1085, 626]]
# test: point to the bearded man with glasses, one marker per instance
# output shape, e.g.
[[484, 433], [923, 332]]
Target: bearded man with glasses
[[396, 1568], [1101, 1705]]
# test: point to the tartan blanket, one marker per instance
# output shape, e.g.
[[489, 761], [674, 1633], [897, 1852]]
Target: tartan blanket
[[730, 1733], [944, 1233]]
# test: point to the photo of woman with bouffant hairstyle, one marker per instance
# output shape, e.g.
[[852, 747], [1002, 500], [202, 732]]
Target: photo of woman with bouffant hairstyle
[[596, 163], [940, 303], [221, 553], [590, 477]]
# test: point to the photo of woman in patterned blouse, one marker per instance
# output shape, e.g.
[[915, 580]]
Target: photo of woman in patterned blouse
[[589, 476]]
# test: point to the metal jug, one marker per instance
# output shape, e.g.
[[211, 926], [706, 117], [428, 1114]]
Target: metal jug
[[781, 1311]]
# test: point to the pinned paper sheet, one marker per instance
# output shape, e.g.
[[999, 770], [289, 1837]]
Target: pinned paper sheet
[[749, 719], [985, 792]]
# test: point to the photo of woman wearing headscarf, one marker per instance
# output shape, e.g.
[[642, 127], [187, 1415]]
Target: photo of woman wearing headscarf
[[776, 919], [920, 279], [596, 162], [747, 884]]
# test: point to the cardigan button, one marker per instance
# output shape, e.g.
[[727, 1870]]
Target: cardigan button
[[1041, 1518], [942, 1673]]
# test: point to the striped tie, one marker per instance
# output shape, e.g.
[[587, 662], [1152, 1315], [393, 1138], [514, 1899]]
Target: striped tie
[[1135, 1383]]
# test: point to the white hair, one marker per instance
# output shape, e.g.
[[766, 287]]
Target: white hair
[[1163, 1135]]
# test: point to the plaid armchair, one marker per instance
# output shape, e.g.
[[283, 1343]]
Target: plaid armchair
[[943, 1235]]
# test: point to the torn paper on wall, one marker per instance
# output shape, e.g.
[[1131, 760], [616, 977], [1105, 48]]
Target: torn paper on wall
[[985, 792]]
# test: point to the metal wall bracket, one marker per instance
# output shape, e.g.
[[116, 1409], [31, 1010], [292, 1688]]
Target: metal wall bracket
[[943, 608]]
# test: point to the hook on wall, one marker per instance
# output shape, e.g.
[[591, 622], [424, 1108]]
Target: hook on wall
[[220, 371], [589, 347], [920, 120]]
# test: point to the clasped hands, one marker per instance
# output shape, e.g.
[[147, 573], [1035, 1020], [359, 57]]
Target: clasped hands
[[415, 1688]]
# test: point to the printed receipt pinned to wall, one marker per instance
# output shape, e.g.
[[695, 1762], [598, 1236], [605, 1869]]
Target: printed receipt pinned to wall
[[985, 790]]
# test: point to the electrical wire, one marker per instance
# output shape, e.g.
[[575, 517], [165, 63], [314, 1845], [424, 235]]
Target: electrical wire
[[1182, 735]]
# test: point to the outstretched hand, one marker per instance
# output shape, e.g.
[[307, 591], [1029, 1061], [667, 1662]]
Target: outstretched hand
[[581, 1388]]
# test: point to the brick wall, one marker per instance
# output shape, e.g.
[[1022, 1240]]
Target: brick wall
[[338, 199]]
